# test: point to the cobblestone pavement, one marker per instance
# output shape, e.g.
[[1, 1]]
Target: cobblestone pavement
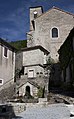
[[53, 111]]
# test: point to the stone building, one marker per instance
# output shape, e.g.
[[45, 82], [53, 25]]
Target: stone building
[[49, 29], [32, 73], [7, 62], [48, 32]]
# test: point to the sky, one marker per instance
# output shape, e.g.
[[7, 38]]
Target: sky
[[14, 15]]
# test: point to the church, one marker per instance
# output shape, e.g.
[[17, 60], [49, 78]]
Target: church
[[48, 31]]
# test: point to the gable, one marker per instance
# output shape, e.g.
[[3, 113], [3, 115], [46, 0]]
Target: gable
[[53, 10], [55, 16], [29, 83]]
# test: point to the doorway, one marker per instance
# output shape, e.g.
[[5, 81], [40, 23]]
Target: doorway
[[27, 90]]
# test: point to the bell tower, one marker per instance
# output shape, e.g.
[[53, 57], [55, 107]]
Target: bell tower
[[34, 13]]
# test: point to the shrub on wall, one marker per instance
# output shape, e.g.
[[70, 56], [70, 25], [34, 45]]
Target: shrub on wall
[[40, 92]]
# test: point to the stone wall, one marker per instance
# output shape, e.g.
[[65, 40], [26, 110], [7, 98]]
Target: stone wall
[[32, 10], [40, 81], [33, 57], [19, 60], [18, 107], [43, 26], [33, 90], [37, 70], [7, 92]]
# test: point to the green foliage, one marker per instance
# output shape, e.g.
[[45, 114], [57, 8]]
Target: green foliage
[[40, 92], [50, 61], [19, 44]]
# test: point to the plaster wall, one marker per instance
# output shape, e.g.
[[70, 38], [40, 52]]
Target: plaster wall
[[7, 65]]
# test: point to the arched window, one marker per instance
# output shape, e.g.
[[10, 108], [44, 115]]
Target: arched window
[[54, 32], [35, 14]]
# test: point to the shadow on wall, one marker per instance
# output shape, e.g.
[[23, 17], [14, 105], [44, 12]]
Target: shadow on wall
[[55, 76]]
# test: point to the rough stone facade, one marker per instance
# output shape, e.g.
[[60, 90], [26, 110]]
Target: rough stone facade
[[33, 62], [39, 11], [48, 31], [42, 34], [36, 57], [33, 89]]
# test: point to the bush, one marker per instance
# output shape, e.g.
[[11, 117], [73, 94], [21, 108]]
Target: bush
[[40, 92]]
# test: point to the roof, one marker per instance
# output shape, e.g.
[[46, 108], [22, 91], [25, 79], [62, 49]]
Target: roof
[[34, 48], [31, 82], [3, 42], [56, 9], [33, 65]]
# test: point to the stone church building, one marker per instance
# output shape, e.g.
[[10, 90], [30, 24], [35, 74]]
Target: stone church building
[[48, 31]]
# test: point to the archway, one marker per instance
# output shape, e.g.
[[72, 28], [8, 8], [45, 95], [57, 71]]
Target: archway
[[28, 93], [28, 90]]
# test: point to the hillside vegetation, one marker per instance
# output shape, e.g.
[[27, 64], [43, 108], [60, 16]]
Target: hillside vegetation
[[19, 44]]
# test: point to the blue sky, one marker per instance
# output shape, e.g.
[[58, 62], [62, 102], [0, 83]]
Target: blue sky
[[14, 15]]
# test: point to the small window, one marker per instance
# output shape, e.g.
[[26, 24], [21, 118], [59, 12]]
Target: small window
[[35, 14], [45, 59], [54, 33], [1, 81], [5, 51], [33, 23], [30, 73]]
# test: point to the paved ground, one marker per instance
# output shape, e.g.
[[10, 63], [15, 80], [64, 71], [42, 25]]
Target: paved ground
[[53, 111]]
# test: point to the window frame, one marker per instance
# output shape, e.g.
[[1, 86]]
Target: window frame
[[29, 70], [2, 82], [51, 33], [6, 51]]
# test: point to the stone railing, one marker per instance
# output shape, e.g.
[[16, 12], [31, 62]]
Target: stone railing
[[18, 107]]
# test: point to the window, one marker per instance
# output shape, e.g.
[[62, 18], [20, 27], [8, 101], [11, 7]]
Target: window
[[5, 51], [35, 14], [30, 73], [33, 24], [54, 32], [45, 59], [1, 81]]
